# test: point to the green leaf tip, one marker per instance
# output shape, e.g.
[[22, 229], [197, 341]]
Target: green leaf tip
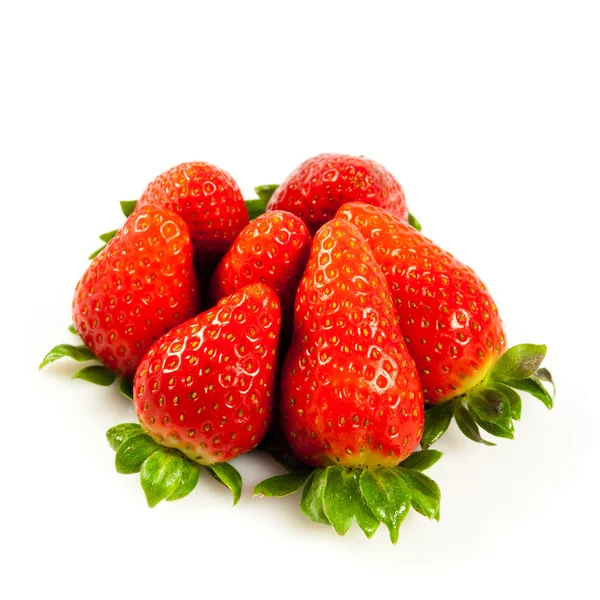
[[78, 353], [189, 479], [97, 374], [421, 460], [96, 252], [437, 420], [466, 423], [264, 192], [544, 375], [513, 398], [119, 433], [282, 485], [494, 429], [312, 496], [72, 329], [255, 208], [133, 452], [126, 387], [109, 235], [413, 222], [128, 206], [492, 406], [161, 476], [518, 362], [532, 385], [228, 476], [425, 495], [388, 496]]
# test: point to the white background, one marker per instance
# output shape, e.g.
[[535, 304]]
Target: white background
[[488, 115]]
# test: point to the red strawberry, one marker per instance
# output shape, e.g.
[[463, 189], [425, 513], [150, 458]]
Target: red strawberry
[[351, 400], [206, 388], [350, 390], [140, 286], [272, 249], [450, 321], [320, 185], [208, 200]]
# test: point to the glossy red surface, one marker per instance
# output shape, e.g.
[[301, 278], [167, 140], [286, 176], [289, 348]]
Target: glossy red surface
[[350, 391], [320, 185], [272, 249], [208, 199], [449, 320], [140, 286], [207, 387]]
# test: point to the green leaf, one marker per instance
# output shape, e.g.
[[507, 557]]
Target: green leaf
[[544, 375], [437, 420], [494, 429], [96, 374], [264, 192], [119, 433], [336, 502], [388, 497], [363, 516], [161, 476], [513, 398], [109, 235], [282, 485], [518, 362], [425, 494], [413, 222], [72, 329], [533, 386], [343, 501], [466, 423], [78, 353], [126, 387], [230, 477], [255, 208], [128, 206], [421, 461], [96, 252], [492, 406], [312, 496], [190, 473], [132, 453]]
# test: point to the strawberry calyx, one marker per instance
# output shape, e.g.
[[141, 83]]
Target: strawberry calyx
[[127, 207], [336, 495], [414, 222], [256, 207], [97, 374], [494, 403], [165, 473]]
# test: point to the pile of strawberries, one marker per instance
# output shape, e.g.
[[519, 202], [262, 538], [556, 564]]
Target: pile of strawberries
[[315, 323]]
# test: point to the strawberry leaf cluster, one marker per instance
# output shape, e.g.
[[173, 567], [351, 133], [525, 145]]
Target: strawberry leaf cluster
[[165, 473]]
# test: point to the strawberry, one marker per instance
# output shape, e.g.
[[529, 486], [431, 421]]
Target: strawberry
[[451, 326], [351, 399], [350, 391], [272, 249], [206, 387], [203, 395], [320, 185], [208, 200], [140, 285]]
